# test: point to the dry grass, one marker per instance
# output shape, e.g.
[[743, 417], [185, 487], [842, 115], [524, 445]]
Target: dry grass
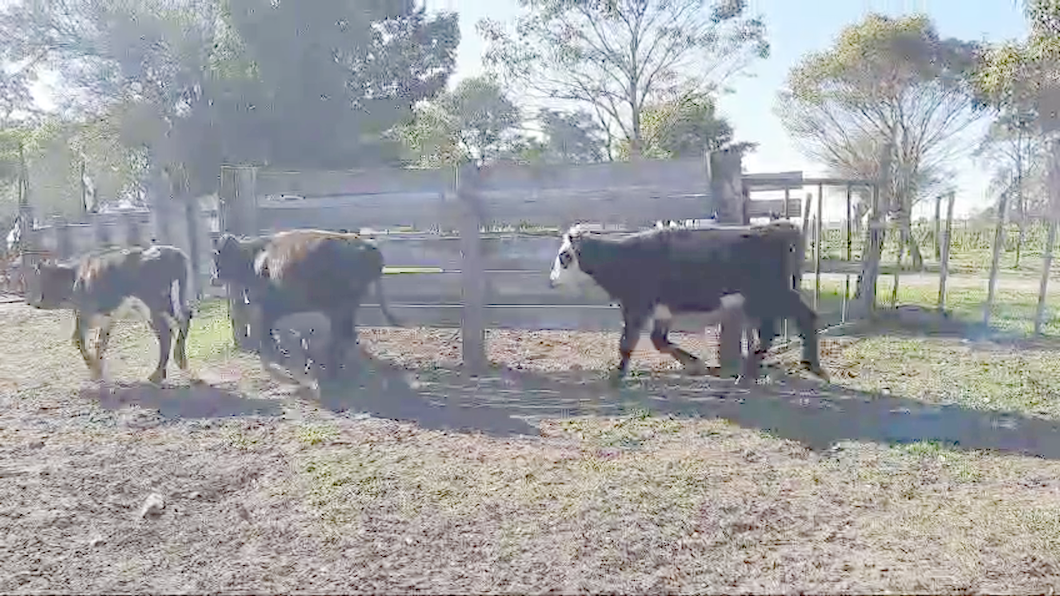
[[267, 492]]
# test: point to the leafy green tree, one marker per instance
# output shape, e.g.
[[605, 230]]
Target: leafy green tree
[[473, 123], [1015, 149], [569, 137], [196, 83], [886, 83], [685, 126], [616, 58]]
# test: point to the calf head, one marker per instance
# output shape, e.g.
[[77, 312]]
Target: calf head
[[233, 260], [54, 287], [567, 268]]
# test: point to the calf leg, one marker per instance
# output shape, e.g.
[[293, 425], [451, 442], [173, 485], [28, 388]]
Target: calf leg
[[180, 350], [104, 339], [633, 322], [343, 338], [160, 325], [806, 319], [757, 349], [95, 368], [660, 339]]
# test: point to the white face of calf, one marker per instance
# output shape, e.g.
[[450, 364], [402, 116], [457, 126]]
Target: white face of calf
[[566, 272]]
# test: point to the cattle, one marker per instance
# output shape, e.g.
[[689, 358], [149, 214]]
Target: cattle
[[110, 283], [726, 270], [303, 270]]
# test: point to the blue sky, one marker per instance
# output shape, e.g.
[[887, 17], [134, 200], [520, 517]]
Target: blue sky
[[794, 28]]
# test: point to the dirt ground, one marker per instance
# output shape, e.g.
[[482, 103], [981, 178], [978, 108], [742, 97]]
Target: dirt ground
[[412, 478]]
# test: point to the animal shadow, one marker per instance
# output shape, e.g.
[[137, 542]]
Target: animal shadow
[[195, 401], [382, 390], [814, 413]]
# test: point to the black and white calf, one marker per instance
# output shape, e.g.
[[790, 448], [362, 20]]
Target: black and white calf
[[109, 284], [667, 271]]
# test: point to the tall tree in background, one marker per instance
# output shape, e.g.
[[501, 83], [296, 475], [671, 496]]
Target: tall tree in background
[[201, 82], [617, 57], [1014, 147], [887, 82], [685, 126], [473, 123], [570, 137], [335, 75]]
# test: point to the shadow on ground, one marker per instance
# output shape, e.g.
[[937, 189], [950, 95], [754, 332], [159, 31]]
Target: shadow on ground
[[196, 401], [507, 402]]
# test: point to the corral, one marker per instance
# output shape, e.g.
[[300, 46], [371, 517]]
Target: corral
[[928, 464]]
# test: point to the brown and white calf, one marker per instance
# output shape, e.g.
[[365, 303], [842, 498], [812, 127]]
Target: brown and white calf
[[667, 271], [108, 284], [303, 271]]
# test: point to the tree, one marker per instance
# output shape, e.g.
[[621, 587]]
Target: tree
[[324, 98], [887, 82], [570, 137], [685, 126], [473, 123], [617, 57], [202, 82], [1014, 147]]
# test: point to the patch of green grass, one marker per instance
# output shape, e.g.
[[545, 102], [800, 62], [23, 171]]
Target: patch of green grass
[[630, 432], [317, 434], [947, 371], [1013, 310], [210, 336]]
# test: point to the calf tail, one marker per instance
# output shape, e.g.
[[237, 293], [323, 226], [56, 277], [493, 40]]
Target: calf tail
[[382, 303]]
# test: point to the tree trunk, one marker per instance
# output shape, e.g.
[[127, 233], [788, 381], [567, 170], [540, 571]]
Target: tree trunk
[[999, 245], [1019, 240], [938, 218], [865, 295], [907, 241]]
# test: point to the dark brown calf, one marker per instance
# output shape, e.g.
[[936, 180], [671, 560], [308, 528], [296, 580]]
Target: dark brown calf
[[299, 271]]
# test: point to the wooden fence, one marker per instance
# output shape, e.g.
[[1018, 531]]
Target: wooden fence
[[190, 229], [473, 248]]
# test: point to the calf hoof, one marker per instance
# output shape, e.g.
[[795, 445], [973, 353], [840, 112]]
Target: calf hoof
[[157, 377]]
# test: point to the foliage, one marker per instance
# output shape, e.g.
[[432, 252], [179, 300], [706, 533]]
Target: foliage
[[685, 126], [1022, 76], [201, 82], [570, 137], [617, 57], [473, 123], [1013, 147], [885, 82]]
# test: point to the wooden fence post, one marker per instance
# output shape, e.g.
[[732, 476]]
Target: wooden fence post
[[63, 243], [938, 238], [944, 259], [473, 276], [995, 260], [819, 232], [806, 207], [192, 215], [238, 202], [850, 256], [726, 185]]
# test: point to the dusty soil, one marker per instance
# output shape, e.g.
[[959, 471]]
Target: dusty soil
[[504, 483]]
